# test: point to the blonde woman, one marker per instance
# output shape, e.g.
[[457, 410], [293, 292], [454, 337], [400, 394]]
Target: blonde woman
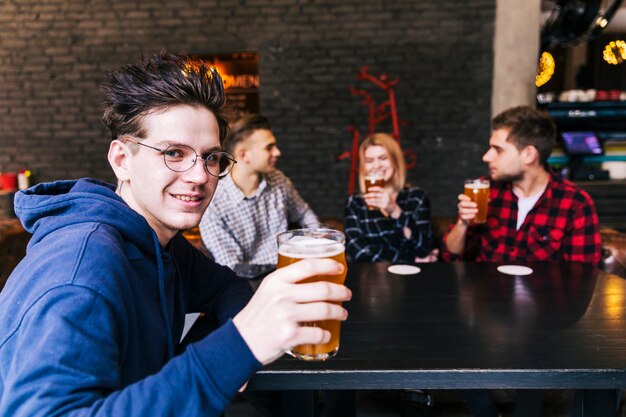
[[388, 223]]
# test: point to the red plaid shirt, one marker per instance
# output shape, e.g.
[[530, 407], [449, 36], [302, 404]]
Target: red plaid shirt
[[563, 224]]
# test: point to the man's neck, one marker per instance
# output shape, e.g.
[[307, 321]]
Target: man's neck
[[248, 181], [534, 182]]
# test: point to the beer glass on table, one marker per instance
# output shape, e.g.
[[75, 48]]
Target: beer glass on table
[[373, 179], [478, 191], [295, 245]]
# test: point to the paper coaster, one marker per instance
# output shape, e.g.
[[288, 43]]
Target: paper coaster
[[515, 270], [404, 269]]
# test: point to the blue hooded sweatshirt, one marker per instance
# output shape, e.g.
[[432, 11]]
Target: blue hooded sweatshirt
[[90, 318]]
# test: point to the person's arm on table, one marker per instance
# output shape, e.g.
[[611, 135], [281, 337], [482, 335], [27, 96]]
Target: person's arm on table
[[454, 239]]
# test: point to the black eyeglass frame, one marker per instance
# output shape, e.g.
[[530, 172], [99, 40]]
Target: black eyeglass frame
[[225, 154]]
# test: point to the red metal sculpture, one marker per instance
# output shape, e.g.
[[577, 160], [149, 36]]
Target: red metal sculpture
[[387, 109], [377, 114]]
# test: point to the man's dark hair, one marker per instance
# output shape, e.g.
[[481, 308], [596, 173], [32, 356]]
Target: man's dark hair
[[528, 127], [157, 83], [242, 128]]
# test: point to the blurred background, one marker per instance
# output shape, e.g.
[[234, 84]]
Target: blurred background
[[455, 64]]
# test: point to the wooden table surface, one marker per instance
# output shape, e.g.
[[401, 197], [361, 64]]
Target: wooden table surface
[[466, 325]]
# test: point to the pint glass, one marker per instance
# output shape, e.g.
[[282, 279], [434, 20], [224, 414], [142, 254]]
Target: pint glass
[[295, 245], [373, 180], [478, 191]]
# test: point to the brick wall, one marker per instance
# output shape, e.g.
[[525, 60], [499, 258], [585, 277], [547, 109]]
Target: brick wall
[[54, 53]]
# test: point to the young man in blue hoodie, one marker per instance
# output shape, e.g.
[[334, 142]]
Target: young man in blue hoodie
[[90, 318]]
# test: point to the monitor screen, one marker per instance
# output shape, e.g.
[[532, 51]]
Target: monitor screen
[[582, 143]]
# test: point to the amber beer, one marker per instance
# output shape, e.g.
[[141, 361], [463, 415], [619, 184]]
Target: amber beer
[[478, 191], [295, 245], [373, 180]]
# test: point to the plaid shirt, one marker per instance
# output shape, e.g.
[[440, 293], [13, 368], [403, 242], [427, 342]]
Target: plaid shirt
[[238, 229], [372, 237], [562, 225]]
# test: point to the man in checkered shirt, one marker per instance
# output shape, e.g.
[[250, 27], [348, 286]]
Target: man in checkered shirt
[[533, 215], [255, 202]]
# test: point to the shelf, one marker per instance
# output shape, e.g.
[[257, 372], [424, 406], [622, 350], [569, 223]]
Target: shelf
[[563, 159], [604, 117], [598, 106]]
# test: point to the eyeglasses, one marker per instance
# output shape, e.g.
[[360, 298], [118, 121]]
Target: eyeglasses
[[181, 158]]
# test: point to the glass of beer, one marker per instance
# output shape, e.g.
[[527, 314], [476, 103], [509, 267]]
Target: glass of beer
[[478, 191], [373, 179], [295, 245]]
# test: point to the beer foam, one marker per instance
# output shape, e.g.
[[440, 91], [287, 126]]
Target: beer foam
[[310, 247], [476, 186]]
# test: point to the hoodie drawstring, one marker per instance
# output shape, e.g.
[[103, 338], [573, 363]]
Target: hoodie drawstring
[[164, 312]]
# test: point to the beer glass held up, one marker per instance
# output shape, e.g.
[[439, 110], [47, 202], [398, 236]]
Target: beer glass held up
[[295, 245], [478, 191], [373, 179]]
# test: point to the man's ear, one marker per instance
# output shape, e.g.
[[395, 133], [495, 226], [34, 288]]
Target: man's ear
[[118, 159], [241, 153], [530, 155]]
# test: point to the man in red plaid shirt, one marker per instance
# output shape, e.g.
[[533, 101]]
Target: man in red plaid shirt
[[533, 214]]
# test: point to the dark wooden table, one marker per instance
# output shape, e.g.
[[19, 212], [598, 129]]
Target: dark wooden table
[[466, 325]]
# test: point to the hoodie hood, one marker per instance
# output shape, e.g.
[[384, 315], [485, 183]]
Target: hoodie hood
[[90, 317], [47, 207]]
